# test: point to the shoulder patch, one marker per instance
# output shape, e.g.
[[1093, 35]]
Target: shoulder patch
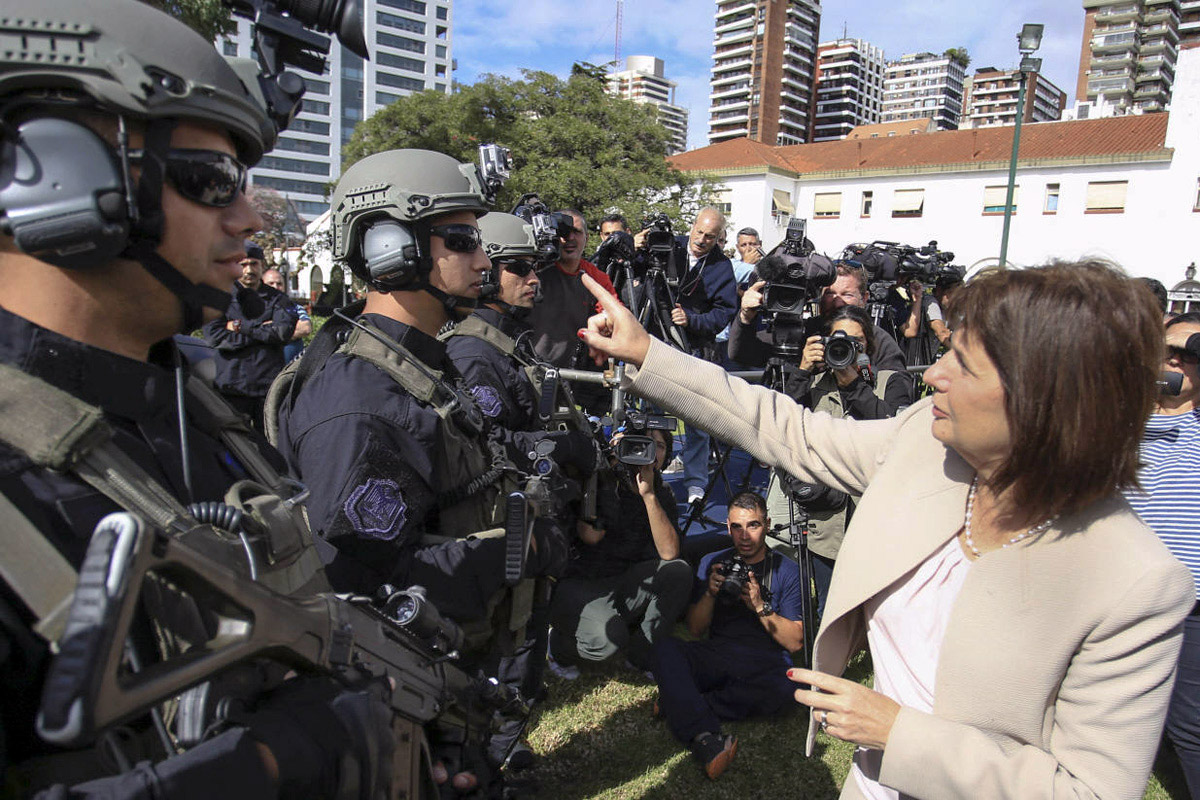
[[377, 509], [487, 398]]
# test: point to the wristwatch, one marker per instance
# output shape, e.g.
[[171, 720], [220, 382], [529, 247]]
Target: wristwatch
[[766, 610]]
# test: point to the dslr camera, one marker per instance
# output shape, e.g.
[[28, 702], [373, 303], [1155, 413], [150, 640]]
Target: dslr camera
[[737, 576], [841, 350]]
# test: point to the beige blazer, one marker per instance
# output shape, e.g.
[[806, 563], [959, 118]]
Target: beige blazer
[[1058, 660]]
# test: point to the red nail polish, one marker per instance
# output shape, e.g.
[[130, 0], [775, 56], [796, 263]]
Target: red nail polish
[[581, 332]]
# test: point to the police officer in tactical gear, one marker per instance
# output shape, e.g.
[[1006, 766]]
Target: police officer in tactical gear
[[408, 475], [124, 143]]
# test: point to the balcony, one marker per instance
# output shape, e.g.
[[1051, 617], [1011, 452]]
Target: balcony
[[1111, 61], [1118, 14], [1153, 46], [1113, 43]]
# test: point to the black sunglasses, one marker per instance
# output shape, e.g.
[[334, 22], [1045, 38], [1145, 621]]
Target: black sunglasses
[[1184, 355], [517, 266], [458, 237], [207, 177]]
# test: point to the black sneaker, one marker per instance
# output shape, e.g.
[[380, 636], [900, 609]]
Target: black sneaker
[[715, 752]]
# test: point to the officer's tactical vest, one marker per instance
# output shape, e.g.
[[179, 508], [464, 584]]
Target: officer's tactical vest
[[476, 470], [567, 415], [59, 432]]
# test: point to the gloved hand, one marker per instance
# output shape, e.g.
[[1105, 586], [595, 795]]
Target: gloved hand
[[575, 449], [329, 742]]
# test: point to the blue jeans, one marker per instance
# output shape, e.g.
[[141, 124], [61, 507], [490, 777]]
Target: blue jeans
[[695, 460], [1183, 715], [701, 684]]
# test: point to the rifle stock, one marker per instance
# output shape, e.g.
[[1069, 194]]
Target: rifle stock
[[91, 687]]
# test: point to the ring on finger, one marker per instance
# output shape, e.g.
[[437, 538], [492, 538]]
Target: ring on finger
[[824, 720]]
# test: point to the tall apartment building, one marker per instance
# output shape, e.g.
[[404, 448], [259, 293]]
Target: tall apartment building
[[410, 45], [1129, 52], [924, 85], [849, 87], [763, 75], [991, 98], [642, 81], [1189, 22]]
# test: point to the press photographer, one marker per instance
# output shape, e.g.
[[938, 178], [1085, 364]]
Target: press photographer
[[918, 315], [626, 584], [696, 300], [836, 376], [752, 343], [746, 598]]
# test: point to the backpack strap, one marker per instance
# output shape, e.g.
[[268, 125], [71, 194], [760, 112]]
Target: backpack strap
[[36, 571], [212, 413], [477, 328]]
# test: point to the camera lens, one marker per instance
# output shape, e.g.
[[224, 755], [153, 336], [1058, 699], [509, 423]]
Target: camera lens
[[840, 352]]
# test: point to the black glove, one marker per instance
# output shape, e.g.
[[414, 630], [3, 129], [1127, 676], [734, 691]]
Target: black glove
[[329, 742], [575, 449]]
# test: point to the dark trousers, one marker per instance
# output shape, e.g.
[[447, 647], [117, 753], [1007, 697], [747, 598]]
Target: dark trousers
[[593, 618], [252, 407], [1183, 715], [822, 569], [701, 684]]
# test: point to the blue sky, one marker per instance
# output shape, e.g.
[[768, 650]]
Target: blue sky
[[504, 36]]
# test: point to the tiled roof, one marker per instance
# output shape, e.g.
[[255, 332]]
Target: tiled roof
[[1099, 139], [883, 129]]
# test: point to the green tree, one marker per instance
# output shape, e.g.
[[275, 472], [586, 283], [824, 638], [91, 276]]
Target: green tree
[[572, 143], [210, 18], [282, 227], [960, 55]]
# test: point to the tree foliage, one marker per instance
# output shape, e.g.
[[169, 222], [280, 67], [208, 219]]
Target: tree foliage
[[282, 227], [960, 55], [572, 143], [210, 18]]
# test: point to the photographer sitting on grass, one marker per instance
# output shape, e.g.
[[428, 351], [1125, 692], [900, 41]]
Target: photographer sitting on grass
[[748, 600], [626, 584]]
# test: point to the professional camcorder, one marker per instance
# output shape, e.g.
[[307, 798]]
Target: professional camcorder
[[929, 265], [616, 250], [794, 273], [637, 448]]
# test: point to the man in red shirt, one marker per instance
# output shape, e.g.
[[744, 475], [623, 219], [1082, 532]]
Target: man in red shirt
[[565, 304]]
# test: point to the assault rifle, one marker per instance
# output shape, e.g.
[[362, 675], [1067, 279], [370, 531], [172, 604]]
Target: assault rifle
[[252, 636]]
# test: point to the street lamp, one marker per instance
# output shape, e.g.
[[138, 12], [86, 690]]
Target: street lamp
[[1028, 41]]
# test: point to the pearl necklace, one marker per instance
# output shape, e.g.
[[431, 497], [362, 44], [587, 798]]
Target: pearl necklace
[[1036, 530]]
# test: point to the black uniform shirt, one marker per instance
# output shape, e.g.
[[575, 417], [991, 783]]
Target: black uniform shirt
[[499, 384], [138, 399], [366, 449], [249, 359]]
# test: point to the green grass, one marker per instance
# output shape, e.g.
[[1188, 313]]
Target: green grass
[[597, 738]]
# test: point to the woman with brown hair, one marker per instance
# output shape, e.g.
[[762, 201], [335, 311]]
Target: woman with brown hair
[[1023, 622]]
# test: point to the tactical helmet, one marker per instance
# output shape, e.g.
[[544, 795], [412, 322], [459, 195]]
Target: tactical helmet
[[134, 60], [409, 186], [507, 236]]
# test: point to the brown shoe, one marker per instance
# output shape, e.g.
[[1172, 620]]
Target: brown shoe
[[715, 752]]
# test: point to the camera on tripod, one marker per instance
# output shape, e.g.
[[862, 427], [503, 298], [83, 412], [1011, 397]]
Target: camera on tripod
[[636, 447], [795, 274], [616, 250], [929, 265]]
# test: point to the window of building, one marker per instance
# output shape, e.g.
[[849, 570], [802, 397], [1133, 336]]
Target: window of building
[[442, 30], [827, 205], [415, 6], [1106, 197], [908, 202], [400, 42], [289, 185], [399, 23], [994, 198], [403, 62], [400, 82], [294, 165], [1051, 206], [229, 48], [868, 200], [442, 12], [440, 50], [314, 86], [315, 107], [781, 205], [302, 146]]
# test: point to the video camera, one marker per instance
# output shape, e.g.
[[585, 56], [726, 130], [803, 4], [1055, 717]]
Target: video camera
[[637, 448], [616, 251], [281, 37], [495, 167], [549, 229], [795, 276], [659, 247], [929, 265]]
